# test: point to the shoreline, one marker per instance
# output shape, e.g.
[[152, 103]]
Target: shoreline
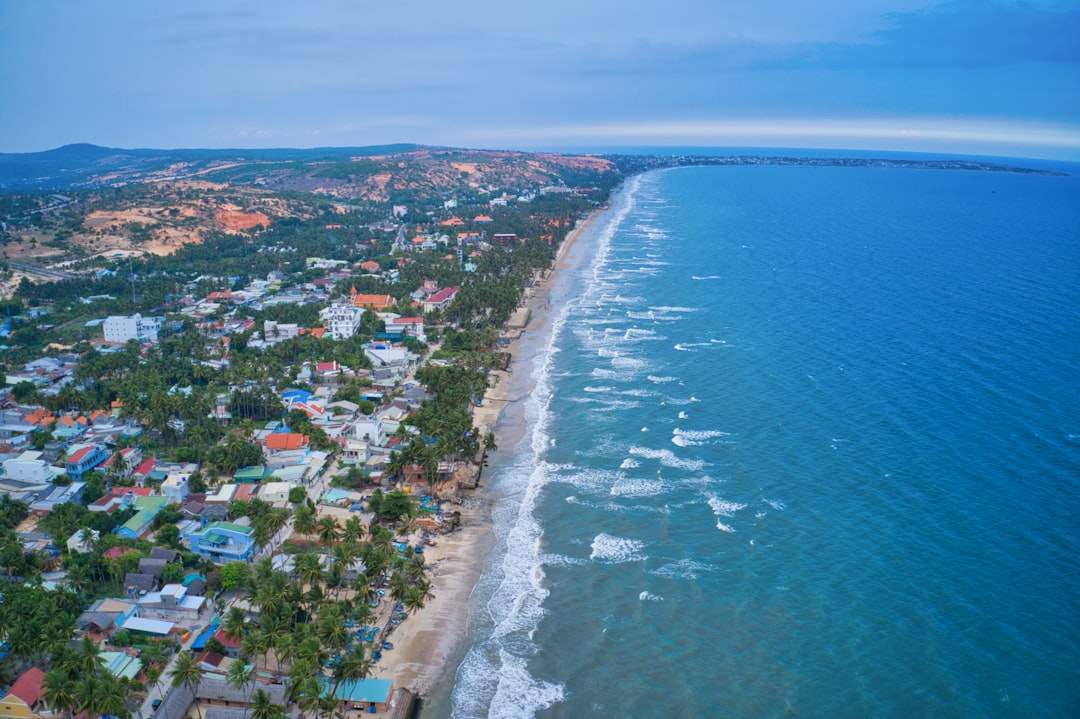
[[425, 642]]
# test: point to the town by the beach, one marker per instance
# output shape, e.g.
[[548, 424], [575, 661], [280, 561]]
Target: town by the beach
[[244, 474]]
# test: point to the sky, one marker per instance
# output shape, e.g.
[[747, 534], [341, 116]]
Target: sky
[[986, 77]]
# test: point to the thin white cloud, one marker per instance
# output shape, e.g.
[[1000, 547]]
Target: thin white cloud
[[906, 130]]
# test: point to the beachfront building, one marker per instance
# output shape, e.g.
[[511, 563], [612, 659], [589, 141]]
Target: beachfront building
[[171, 602], [361, 694], [223, 542]]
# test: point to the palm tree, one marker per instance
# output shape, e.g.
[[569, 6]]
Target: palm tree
[[328, 530], [59, 691], [186, 673], [241, 675], [304, 519], [235, 625], [417, 596], [354, 531], [308, 568], [263, 706]]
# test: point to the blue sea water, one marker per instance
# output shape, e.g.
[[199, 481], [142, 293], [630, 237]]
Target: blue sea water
[[803, 441]]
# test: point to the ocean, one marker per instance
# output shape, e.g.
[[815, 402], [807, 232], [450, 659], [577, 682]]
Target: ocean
[[799, 441]]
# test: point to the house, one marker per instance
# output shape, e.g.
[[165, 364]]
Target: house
[[136, 584], [175, 487], [23, 700], [440, 300], [79, 544], [132, 456], [284, 441], [370, 429], [171, 602], [223, 542], [275, 492], [121, 665], [29, 468], [82, 458], [139, 525], [371, 266], [407, 326]]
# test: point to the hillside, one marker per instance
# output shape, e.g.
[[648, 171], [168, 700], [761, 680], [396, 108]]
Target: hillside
[[135, 202]]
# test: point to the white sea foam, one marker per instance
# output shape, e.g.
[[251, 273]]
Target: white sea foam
[[776, 504], [599, 389], [683, 415], [629, 363], [724, 508], [614, 550], [683, 569], [629, 463], [636, 487], [662, 380], [665, 308], [668, 459], [601, 373], [650, 597], [693, 438], [518, 693], [707, 277]]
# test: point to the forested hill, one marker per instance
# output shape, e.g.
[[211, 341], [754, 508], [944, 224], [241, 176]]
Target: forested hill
[[85, 166], [395, 173]]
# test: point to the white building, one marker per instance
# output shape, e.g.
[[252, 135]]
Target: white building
[[342, 320], [29, 468], [120, 329], [369, 429], [274, 332]]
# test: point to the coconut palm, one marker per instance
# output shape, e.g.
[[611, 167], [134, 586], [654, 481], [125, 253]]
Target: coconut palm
[[59, 691], [241, 675], [263, 706], [304, 519], [328, 530], [186, 673], [235, 624]]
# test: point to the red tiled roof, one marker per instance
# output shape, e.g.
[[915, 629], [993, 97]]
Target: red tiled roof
[[146, 466], [286, 440], [116, 552], [28, 686], [79, 455]]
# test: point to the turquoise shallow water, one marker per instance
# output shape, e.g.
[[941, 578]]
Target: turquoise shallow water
[[804, 441]]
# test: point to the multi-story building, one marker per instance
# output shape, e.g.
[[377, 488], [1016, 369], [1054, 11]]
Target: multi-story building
[[134, 327], [343, 320]]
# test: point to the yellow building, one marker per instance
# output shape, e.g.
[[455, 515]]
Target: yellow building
[[23, 700]]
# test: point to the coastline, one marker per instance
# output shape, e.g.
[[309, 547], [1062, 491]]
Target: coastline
[[425, 643]]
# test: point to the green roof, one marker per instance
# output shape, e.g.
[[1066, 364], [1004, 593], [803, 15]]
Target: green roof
[[250, 473], [230, 526]]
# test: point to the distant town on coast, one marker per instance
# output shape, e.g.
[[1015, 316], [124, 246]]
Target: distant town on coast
[[248, 402]]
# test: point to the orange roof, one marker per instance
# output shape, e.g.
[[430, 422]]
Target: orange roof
[[452, 222], [318, 331], [286, 440], [116, 404], [374, 301], [482, 218], [370, 265]]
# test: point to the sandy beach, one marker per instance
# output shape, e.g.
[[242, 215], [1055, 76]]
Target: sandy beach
[[423, 643]]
